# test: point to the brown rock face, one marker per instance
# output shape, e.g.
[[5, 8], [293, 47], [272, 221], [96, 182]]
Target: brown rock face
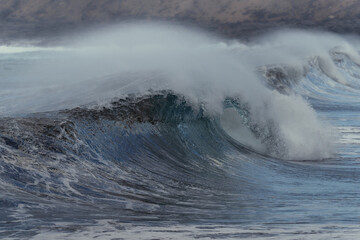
[[229, 17]]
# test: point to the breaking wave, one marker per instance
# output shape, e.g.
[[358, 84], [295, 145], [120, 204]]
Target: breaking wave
[[205, 70]]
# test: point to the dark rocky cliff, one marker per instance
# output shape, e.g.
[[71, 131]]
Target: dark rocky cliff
[[229, 17]]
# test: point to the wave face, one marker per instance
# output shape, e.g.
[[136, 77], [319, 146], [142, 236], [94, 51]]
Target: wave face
[[165, 131]]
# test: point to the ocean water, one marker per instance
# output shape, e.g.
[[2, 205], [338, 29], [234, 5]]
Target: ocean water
[[156, 131]]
